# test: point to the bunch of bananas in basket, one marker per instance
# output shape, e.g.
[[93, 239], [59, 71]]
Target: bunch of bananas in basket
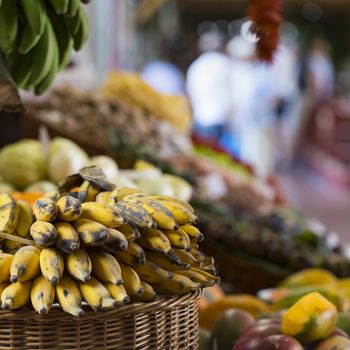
[[37, 38], [106, 246]]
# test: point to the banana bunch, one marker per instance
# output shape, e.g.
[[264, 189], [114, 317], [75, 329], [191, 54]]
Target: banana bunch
[[89, 243], [37, 38]]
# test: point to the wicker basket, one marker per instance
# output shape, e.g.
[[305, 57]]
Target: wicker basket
[[164, 324]]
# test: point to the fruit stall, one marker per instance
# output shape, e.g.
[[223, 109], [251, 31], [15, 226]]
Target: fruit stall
[[120, 228]]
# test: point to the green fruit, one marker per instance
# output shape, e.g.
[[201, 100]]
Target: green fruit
[[229, 326], [22, 163], [344, 321]]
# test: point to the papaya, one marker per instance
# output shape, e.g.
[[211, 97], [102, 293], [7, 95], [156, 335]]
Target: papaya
[[229, 326], [335, 342], [311, 318], [246, 302], [210, 294], [295, 294], [307, 277]]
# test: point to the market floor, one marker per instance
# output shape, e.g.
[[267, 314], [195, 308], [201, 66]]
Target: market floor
[[318, 198]]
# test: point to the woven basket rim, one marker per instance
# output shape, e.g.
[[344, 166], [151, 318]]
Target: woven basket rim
[[56, 314]]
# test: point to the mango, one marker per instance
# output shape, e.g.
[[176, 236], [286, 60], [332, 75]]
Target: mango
[[229, 326], [295, 294], [279, 342], [307, 277], [335, 342], [245, 302], [255, 336], [311, 318]]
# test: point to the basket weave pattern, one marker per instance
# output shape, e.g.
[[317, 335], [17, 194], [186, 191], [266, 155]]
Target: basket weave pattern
[[166, 324]]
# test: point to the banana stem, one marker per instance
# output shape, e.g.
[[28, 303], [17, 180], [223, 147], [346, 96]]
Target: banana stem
[[17, 239]]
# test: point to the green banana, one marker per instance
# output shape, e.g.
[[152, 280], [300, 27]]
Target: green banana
[[73, 8], [35, 13], [44, 84], [60, 6], [43, 55], [20, 69], [64, 40], [28, 40], [8, 25], [83, 32]]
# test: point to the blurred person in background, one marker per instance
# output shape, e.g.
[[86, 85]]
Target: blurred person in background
[[208, 87], [252, 106], [320, 71], [164, 77]]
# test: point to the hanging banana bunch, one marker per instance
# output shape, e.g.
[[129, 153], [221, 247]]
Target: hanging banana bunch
[[37, 38]]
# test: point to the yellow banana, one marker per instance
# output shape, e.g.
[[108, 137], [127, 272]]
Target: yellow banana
[[160, 214], [78, 265], [69, 208], [166, 262], [5, 264], [164, 198], [118, 293], [206, 274], [181, 213], [54, 195], [9, 212], [96, 295], [25, 264], [11, 246], [101, 213], [192, 232], [16, 295], [186, 257], [129, 231], [196, 277], [118, 194], [103, 197], [45, 209], [42, 295], [152, 273], [154, 239], [131, 280], [135, 214], [67, 237], [134, 255], [91, 232], [148, 294], [68, 296], [176, 286], [178, 239], [44, 233], [105, 267], [88, 192], [25, 218], [3, 285], [116, 240], [51, 264]]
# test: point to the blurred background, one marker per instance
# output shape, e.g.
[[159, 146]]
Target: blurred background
[[290, 117]]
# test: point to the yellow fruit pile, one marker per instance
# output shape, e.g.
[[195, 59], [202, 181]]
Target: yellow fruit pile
[[90, 242], [130, 89]]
